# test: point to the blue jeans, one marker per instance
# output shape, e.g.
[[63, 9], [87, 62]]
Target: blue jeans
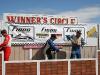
[[76, 52]]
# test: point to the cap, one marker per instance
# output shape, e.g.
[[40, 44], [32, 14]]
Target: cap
[[79, 32], [53, 35], [3, 31]]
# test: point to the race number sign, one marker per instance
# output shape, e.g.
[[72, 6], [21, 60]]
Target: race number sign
[[21, 34]]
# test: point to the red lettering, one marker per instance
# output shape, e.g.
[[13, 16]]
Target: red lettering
[[72, 21], [52, 21], [38, 20], [11, 19], [55, 21], [45, 20], [18, 20], [33, 20], [22, 20], [28, 20], [64, 21], [59, 21]]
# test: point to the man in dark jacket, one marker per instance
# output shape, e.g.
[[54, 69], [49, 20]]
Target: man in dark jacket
[[50, 46]]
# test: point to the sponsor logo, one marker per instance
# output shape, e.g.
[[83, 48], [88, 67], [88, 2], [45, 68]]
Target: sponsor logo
[[47, 30], [92, 32], [42, 35], [23, 29], [69, 29]]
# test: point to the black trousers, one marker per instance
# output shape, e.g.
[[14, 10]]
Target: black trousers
[[49, 55]]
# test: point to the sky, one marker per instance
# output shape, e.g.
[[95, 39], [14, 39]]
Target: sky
[[87, 11]]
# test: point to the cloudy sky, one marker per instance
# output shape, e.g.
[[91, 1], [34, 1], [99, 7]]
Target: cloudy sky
[[87, 11]]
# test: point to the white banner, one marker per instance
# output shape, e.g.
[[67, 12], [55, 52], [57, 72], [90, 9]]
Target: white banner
[[21, 33], [41, 33], [35, 28], [92, 35], [71, 30]]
